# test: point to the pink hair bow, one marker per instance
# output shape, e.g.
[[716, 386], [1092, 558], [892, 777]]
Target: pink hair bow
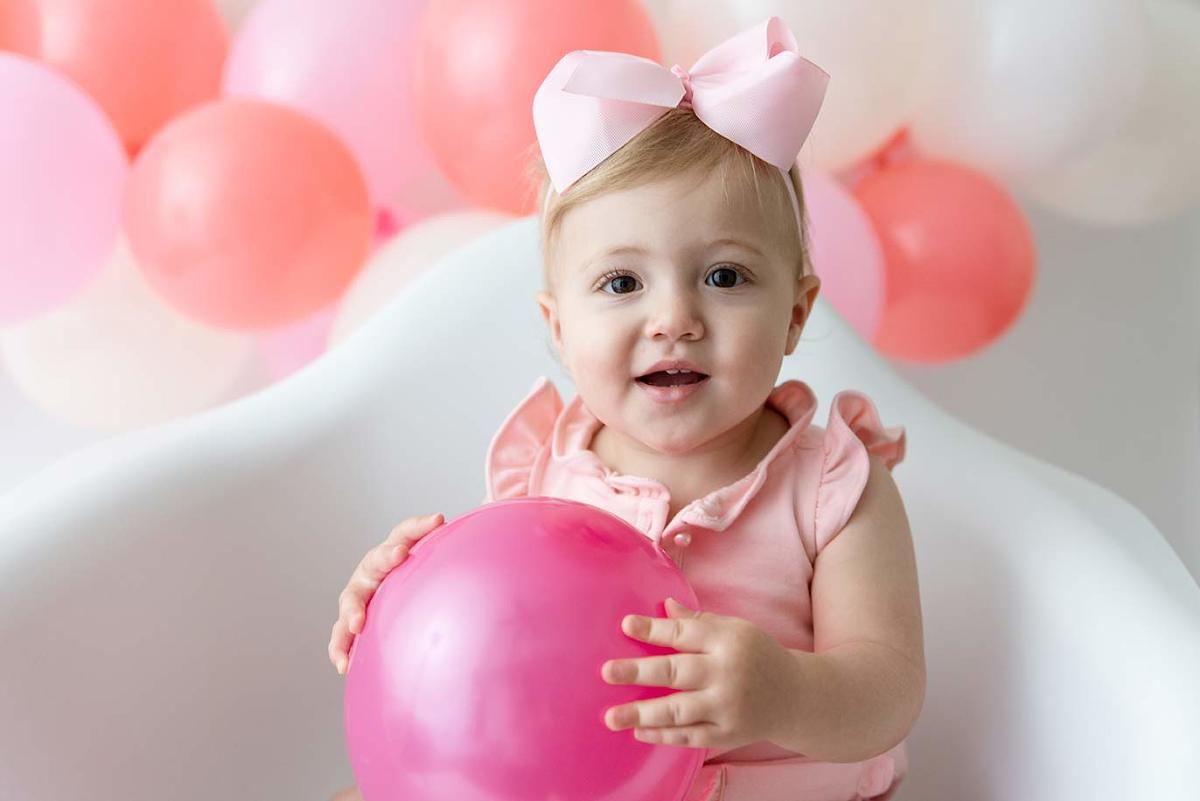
[[754, 89]]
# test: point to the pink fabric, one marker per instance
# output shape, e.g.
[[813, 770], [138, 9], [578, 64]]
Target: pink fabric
[[754, 89], [751, 549]]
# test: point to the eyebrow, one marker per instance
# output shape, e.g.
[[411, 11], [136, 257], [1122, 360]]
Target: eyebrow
[[637, 249]]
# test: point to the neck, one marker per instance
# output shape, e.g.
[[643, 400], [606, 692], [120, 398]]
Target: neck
[[715, 463]]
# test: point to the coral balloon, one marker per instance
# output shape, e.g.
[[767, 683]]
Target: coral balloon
[[248, 215], [477, 672], [20, 28], [479, 64], [144, 61], [845, 252], [347, 66], [959, 258], [62, 174]]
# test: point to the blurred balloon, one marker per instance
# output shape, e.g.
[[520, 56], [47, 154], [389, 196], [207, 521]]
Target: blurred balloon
[[479, 63], [20, 27], [687, 28], [115, 358], [403, 258], [249, 215], [62, 175], [347, 66], [234, 11], [1012, 87], [845, 252], [959, 259], [1150, 169], [144, 60], [870, 49], [286, 350], [477, 673]]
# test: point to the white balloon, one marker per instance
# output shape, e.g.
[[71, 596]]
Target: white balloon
[[1149, 170], [234, 11], [1011, 87], [404, 257], [686, 28], [870, 50], [115, 357]]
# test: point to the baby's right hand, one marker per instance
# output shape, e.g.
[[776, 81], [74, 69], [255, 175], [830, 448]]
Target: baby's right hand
[[374, 567]]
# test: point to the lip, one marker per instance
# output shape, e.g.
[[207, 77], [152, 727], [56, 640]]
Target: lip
[[672, 395], [670, 364]]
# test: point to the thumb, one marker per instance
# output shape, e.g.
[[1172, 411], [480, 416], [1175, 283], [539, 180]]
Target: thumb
[[677, 609]]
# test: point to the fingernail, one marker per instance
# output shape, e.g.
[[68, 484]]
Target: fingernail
[[341, 666]]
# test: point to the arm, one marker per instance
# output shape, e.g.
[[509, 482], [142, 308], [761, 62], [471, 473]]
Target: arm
[[861, 690]]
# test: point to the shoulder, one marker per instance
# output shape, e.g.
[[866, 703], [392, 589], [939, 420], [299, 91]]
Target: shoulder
[[857, 451]]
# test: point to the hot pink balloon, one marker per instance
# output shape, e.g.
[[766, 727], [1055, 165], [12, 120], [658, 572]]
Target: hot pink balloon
[[62, 174], [478, 670], [144, 61], [248, 215], [348, 66], [959, 256], [845, 252], [479, 63]]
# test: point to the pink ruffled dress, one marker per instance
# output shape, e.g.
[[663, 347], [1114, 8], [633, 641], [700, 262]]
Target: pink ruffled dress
[[749, 552]]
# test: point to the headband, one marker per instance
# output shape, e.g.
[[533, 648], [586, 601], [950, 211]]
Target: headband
[[753, 89]]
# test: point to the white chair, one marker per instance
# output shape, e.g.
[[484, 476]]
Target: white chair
[[168, 594]]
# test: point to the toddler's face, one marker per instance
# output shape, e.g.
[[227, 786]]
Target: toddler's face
[[734, 309]]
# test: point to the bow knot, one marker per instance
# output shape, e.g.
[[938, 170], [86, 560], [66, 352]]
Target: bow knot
[[686, 102]]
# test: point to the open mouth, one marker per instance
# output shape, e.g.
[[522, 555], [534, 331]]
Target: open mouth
[[662, 378]]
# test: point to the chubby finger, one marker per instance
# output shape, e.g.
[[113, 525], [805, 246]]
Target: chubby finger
[[339, 645], [682, 671], [682, 634], [414, 528]]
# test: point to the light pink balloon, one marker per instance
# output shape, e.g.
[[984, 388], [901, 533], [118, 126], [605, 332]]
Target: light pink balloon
[[347, 65], [62, 174], [287, 349], [845, 251]]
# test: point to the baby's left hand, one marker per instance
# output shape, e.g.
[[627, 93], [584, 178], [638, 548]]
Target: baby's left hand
[[738, 681]]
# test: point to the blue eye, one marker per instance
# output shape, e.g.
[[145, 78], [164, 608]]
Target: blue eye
[[614, 275]]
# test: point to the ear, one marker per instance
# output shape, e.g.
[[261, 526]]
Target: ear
[[807, 289], [549, 307]]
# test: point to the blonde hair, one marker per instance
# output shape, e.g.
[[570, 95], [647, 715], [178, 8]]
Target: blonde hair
[[677, 142]]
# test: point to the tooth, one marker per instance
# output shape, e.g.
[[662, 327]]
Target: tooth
[[672, 372]]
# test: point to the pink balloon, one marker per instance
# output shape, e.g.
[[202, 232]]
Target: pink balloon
[[144, 61], [286, 350], [960, 258], [348, 66], [478, 671], [248, 215], [479, 63], [62, 174], [845, 252]]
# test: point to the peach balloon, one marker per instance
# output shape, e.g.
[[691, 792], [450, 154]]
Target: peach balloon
[[845, 251], [20, 28], [144, 61], [959, 259], [479, 63], [248, 215]]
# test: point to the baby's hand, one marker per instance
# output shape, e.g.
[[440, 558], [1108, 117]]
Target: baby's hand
[[374, 567], [738, 681]]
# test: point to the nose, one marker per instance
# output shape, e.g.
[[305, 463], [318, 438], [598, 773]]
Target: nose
[[674, 316]]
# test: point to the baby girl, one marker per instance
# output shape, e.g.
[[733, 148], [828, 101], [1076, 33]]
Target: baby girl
[[676, 278]]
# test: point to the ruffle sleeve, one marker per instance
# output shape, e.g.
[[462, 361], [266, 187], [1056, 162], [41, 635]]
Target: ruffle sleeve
[[854, 430], [520, 442]]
